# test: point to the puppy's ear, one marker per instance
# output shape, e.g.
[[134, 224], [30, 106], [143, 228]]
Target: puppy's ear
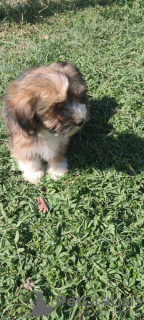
[[25, 116], [20, 107]]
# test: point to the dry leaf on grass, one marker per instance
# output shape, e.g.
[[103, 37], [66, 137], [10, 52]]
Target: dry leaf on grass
[[42, 206], [45, 36], [29, 284]]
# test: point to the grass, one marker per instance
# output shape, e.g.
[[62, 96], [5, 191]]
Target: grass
[[91, 241]]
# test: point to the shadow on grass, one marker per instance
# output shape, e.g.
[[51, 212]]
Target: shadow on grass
[[34, 10], [98, 146]]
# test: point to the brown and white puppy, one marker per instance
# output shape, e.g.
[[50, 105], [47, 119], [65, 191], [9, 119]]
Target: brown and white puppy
[[41, 110]]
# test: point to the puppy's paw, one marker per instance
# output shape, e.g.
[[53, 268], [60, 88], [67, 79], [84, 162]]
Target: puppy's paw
[[57, 170], [33, 176], [55, 174]]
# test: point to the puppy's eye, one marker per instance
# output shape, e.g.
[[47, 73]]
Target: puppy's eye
[[81, 100], [58, 106]]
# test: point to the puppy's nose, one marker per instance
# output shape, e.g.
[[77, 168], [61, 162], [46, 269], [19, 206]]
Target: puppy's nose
[[80, 122]]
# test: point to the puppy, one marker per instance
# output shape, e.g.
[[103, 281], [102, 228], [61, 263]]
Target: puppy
[[41, 109]]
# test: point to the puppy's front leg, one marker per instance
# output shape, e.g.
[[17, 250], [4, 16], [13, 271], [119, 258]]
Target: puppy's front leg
[[57, 167], [31, 168]]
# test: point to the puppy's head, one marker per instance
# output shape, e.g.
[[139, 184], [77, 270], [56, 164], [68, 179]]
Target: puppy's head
[[53, 98]]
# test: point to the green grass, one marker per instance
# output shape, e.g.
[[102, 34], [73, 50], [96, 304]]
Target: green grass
[[91, 241]]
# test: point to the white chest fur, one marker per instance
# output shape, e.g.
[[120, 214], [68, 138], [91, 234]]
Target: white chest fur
[[48, 145]]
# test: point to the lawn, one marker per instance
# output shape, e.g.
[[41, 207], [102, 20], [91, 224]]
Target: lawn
[[91, 240]]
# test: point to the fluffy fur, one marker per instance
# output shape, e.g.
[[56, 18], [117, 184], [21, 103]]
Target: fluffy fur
[[42, 108]]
